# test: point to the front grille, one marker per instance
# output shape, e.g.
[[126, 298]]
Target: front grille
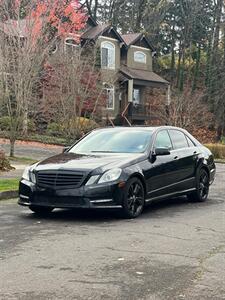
[[59, 179]]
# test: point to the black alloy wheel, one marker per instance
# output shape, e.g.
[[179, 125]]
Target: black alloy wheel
[[134, 198], [41, 210], [202, 191]]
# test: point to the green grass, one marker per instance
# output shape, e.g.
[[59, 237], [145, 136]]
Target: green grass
[[9, 184], [218, 150]]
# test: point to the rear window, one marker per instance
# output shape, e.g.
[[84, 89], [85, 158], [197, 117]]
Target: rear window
[[178, 138]]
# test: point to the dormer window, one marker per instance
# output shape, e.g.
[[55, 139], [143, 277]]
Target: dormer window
[[108, 55], [71, 45], [140, 57]]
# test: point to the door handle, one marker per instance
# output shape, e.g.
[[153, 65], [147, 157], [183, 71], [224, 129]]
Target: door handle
[[195, 152], [176, 157]]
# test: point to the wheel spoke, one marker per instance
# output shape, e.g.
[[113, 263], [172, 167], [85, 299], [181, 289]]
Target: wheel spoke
[[139, 200], [136, 189]]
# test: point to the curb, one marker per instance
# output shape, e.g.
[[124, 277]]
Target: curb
[[8, 195]]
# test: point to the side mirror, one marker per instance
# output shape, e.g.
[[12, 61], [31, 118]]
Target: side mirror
[[162, 151], [65, 149]]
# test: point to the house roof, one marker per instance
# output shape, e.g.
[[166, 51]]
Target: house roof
[[100, 29], [142, 75], [94, 32], [132, 38]]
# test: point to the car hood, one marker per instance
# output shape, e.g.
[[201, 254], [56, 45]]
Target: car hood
[[100, 162]]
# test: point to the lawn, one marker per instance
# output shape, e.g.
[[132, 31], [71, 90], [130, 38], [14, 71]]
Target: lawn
[[9, 184]]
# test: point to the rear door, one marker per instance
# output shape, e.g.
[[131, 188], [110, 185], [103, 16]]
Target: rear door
[[185, 156]]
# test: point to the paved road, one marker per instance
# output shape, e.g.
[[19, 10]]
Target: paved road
[[175, 250], [32, 150]]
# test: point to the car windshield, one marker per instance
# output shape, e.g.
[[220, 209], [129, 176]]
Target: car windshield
[[114, 141]]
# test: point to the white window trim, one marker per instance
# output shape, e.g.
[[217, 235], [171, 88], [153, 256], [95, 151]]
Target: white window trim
[[110, 87], [108, 38], [141, 48], [114, 65], [138, 61], [56, 49], [69, 44]]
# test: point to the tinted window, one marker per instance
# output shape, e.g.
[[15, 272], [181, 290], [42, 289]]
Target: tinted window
[[178, 139], [114, 141], [163, 140]]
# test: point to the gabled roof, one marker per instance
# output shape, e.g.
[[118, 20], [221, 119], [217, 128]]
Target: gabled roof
[[92, 20], [100, 29], [142, 75], [94, 32], [132, 38]]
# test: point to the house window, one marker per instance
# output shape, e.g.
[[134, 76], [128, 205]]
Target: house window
[[140, 57], [136, 96], [108, 55], [109, 89], [71, 45]]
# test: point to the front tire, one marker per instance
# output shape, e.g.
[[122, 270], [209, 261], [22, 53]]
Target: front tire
[[41, 210], [134, 198], [202, 191]]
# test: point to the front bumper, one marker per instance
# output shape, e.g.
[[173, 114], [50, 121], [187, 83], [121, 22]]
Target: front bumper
[[95, 196]]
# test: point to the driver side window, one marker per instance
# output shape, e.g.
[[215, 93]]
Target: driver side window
[[163, 140]]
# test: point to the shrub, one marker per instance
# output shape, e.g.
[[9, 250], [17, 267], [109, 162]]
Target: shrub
[[74, 128], [218, 150], [31, 126], [53, 129], [5, 123], [4, 163]]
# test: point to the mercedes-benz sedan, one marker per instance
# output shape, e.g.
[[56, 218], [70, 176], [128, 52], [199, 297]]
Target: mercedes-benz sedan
[[120, 168]]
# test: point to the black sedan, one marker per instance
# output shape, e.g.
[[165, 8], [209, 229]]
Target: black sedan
[[120, 167]]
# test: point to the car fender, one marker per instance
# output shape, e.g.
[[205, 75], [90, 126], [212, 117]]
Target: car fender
[[135, 171]]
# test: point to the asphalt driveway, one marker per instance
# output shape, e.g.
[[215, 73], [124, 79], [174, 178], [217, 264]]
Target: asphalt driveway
[[175, 250]]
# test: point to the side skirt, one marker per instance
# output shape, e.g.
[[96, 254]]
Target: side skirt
[[170, 195]]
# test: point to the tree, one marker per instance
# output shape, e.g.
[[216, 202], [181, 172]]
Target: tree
[[74, 84], [25, 45]]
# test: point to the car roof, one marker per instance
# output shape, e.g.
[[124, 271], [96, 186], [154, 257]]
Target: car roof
[[141, 128]]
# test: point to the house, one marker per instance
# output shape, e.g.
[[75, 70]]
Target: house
[[127, 58], [130, 57]]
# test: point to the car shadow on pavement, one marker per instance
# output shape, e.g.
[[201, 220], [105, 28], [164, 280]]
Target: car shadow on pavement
[[158, 209]]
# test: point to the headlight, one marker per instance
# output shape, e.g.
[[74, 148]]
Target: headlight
[[92, 180], [26, 174], [110, 175], [29, 175]]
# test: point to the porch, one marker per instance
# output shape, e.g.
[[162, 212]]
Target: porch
[[135, 105]]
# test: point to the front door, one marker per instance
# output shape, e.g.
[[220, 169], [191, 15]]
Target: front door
[[160, 176]]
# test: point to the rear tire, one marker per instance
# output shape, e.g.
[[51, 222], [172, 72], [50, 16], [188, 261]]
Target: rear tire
[[41, 210], [202, 191], [134, 198]]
